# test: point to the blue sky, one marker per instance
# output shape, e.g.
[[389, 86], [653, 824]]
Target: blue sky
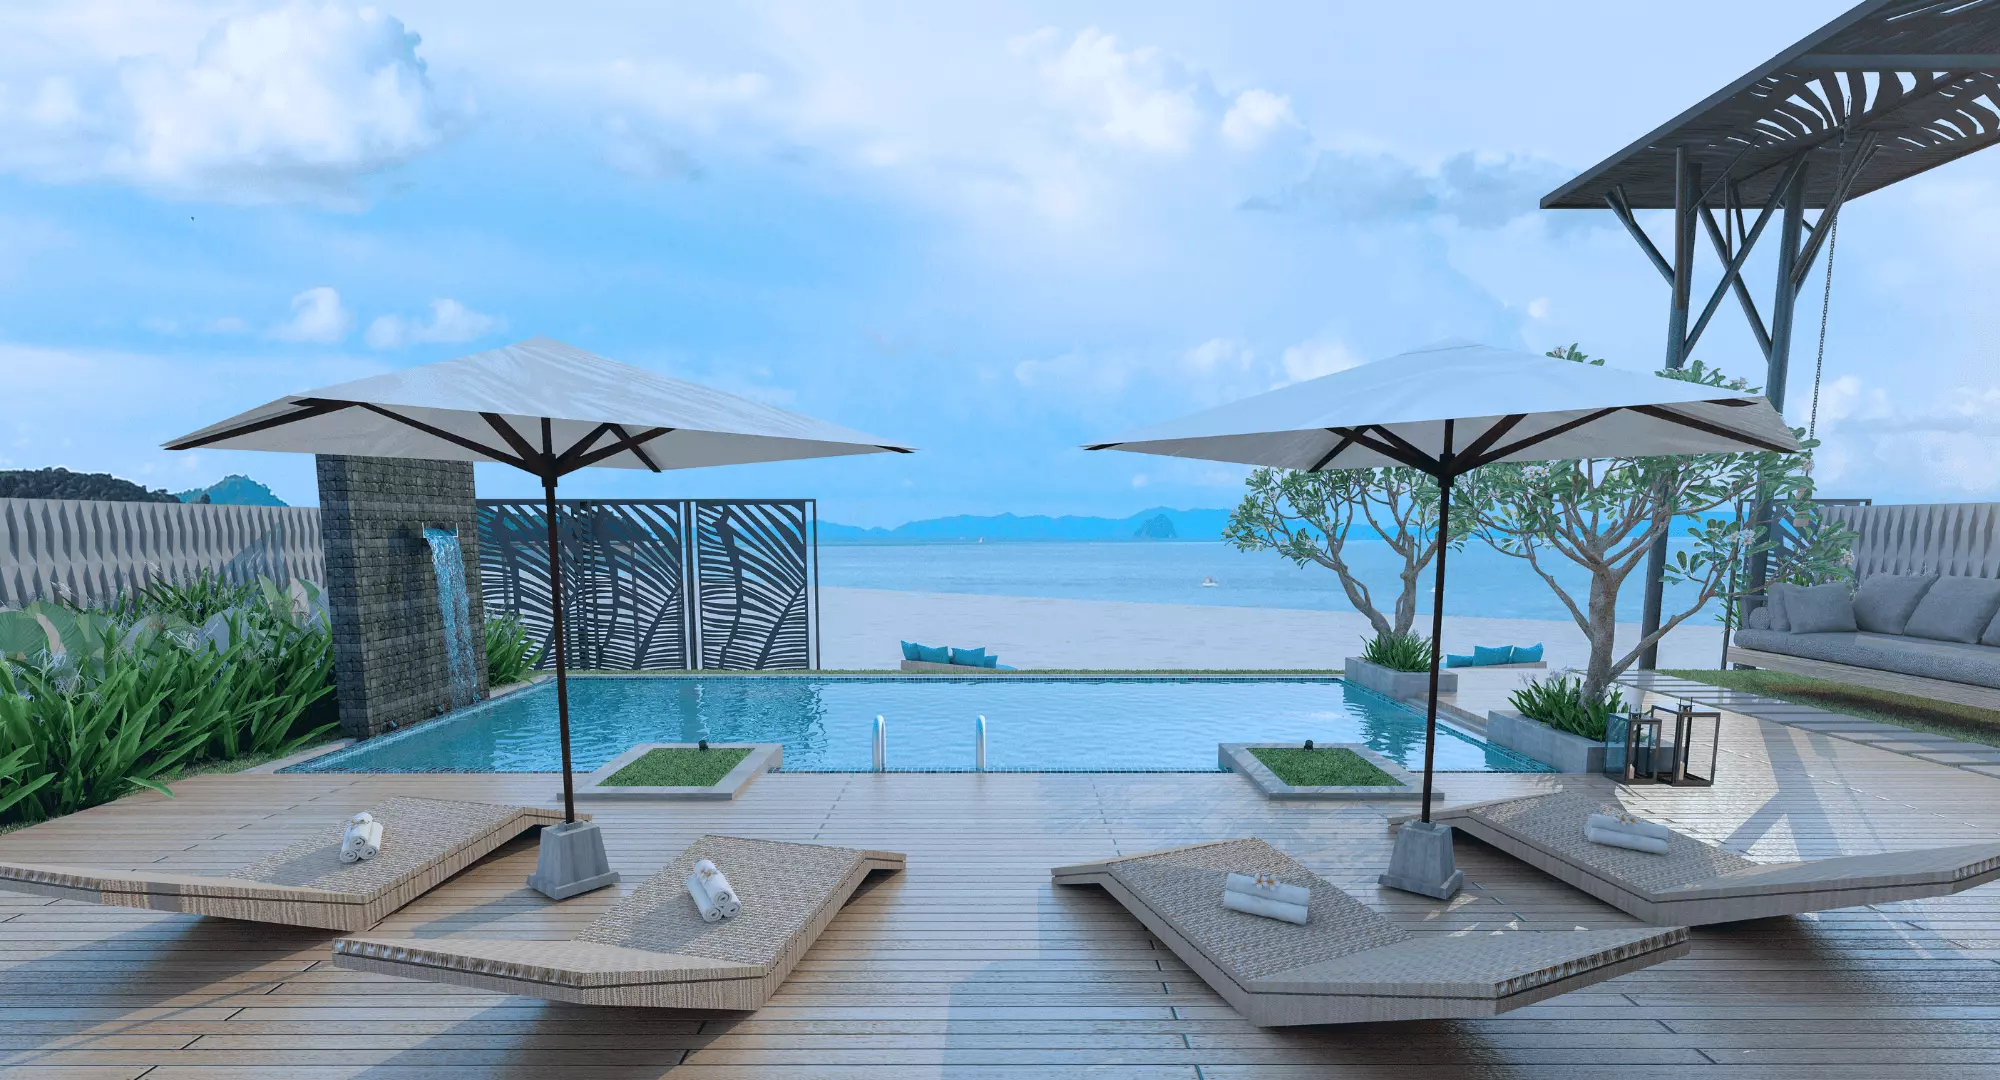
[[994, 233]]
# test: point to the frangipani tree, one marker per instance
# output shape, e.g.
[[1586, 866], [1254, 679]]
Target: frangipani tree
[[1604, 514], [1307, 517]]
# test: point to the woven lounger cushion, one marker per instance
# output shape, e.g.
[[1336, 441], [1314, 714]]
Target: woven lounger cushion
[[652, 948], [425, 841], [1348, 964], [1696, 883]]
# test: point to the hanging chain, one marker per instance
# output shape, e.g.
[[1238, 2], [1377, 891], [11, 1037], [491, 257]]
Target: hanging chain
[[1825, 302]]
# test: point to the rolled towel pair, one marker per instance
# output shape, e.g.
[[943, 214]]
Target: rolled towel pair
[[1264, 895], [711, 893], [1622, 831], [363, 839]]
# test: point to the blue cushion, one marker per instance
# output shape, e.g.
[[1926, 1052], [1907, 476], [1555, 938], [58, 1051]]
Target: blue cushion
[[1482, 656], [939, 655], [1455, 660], [969, 657], [911, 649], [1525, 654], [992, 660]]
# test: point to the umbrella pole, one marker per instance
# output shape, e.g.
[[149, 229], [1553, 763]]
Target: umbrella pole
[[562, 681], [1437, 637]]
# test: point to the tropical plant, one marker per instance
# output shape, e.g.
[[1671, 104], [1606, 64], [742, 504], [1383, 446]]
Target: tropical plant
[[195, 601], [1397, 652], [1604, 515], [511, 652], [1561, 702], [1307, 518], [96, 732]]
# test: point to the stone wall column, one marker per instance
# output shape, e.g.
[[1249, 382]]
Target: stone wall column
[[390, 662]]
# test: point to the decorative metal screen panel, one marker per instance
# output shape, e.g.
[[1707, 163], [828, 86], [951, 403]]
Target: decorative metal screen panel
[[721, 584]]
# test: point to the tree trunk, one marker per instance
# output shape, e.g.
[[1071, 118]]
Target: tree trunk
[[1602, 609], [1406, 600]]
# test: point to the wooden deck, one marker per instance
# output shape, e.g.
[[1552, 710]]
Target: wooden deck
[[971, 964]]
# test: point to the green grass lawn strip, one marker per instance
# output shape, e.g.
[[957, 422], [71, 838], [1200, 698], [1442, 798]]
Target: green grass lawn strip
[[679, 766], [1903, 710], [1332, 767]]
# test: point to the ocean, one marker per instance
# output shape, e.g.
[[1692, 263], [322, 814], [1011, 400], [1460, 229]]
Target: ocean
[[1480, 582]]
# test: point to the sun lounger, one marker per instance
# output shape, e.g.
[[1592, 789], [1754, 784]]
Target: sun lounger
[[1695, 884], [1348, 964], [652, 948], [306, 884]]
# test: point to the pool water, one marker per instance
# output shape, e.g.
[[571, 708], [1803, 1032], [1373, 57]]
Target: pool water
[[827, 724]]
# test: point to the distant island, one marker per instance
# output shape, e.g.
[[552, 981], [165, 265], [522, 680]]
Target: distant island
[[1159, 523], [60, 483]]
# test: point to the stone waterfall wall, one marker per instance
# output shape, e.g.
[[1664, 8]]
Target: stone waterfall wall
[[389, 645]]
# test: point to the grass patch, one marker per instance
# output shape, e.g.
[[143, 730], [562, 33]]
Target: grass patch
[[1903, 710], [1331, 767], [679, 766]]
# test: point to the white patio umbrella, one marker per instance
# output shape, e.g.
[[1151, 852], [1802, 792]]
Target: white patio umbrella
[[1446, 409], [546, 408]]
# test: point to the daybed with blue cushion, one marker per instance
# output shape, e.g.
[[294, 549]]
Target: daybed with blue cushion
[[1920, 634], [951, 661]]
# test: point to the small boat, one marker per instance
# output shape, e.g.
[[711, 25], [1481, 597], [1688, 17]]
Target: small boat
[[1208, 583]]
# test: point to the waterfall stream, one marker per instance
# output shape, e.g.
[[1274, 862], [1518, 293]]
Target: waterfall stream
[[448, 561]]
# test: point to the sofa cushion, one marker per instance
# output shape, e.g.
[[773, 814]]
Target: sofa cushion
[[911, 650], [1758, 619], [1821, 609], [937, 655], [1884, 602], [1525, 654], [1955, 609], [969, 657], [1950, 661], [1992, 634], [1774, 600]]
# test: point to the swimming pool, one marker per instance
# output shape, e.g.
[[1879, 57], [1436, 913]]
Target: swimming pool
[[827, 724]]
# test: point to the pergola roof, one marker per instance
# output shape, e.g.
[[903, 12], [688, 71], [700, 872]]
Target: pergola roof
[[1922, 75]]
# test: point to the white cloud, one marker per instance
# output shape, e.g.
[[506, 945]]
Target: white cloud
[[1254, 116], [1538, 308], [1312, 359], [317, 316], [1132, 97], [450, 321], [291, 102], [1218, 355], [1942, 446], [1139, 480]]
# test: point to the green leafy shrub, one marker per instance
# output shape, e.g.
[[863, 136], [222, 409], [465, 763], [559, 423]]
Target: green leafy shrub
[[1559, 702], [511, 653], [1398, 652], [96, 704]]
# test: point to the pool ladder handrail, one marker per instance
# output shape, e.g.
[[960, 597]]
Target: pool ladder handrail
[[979, 744], [881, 744]]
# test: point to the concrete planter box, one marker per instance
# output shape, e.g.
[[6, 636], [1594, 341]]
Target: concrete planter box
[[763, 758], [1236, 757], [1559, 750], [1401, 685]]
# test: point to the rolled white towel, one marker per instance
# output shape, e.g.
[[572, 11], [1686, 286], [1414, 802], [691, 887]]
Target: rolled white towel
[[1650, 844], [1626, 823], [1252, 904], [703, 903], [719, 889], [362, 841], [1266, 886]]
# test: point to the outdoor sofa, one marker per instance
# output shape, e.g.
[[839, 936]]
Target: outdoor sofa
[[1348, 964], [425, 841], [1696, 884], [652, 948], [1920, 634]]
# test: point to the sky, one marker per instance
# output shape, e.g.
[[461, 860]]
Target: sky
[[994, 231]]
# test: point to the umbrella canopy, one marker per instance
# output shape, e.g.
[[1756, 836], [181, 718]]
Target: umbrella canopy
[[1446, 409], [495, 406], [1475, 403]]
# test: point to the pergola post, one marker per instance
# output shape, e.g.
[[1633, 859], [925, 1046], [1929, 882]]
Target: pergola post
[[1687, 197]]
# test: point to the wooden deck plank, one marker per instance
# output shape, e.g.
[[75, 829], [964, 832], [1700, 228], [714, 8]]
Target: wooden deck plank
[[970, 964]]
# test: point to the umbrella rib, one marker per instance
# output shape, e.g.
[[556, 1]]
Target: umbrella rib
[[582, 446], [309, 408], [1672, 417], [515, 439], [440, 433], [1417, 457], [1523, 444], [637, 450], [630, 442], [1416, 461], [1492, 435], [1345, 442]]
